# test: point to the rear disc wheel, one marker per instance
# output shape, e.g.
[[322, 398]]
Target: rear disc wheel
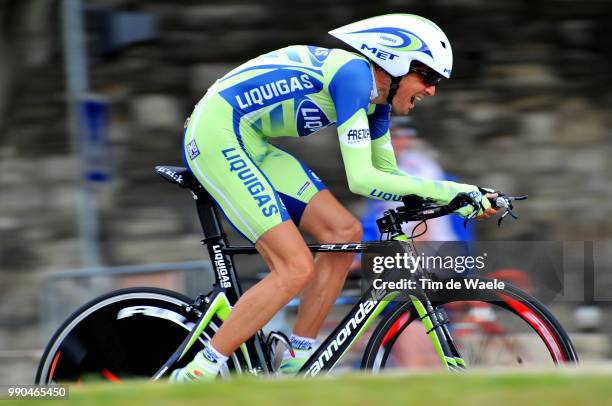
[[126, 334]]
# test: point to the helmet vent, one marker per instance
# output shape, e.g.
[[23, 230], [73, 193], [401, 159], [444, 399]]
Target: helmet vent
[[443, 44]]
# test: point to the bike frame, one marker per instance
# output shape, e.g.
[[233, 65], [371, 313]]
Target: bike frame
[[227, 291]]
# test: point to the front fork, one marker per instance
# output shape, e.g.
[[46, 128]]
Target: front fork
[[435, 321]]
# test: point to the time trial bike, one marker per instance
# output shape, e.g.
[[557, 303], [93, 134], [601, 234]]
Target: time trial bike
[[149, 332]]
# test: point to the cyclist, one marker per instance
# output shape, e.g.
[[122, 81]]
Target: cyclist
[[266, 193]]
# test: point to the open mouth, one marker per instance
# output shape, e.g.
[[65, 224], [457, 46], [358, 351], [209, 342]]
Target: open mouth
[[415, 99], [412, 101]]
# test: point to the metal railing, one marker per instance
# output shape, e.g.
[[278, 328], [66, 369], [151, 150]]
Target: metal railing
[[64, 292]]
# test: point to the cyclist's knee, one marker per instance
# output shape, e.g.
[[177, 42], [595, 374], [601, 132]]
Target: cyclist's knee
[[301, 270], [354, 230], [296, 273], [348, 230]]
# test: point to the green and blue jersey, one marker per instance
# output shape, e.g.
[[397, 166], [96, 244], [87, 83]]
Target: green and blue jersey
[[294, 91]]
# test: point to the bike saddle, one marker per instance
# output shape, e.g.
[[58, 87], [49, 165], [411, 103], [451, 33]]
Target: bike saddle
[[178, 175]]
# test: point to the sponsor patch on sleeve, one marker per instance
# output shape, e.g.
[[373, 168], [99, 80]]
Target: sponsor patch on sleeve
[[357, 135]]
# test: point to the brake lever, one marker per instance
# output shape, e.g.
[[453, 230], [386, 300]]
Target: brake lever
[[505, 202]]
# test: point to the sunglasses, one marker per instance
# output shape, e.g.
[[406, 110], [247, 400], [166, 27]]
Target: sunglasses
[[430, 77]]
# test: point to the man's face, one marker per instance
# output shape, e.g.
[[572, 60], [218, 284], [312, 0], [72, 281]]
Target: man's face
[[412, 89]]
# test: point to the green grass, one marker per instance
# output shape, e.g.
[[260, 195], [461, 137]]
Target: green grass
[[476, 388]]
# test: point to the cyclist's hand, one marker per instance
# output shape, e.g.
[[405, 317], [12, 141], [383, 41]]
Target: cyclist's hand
[[484, 209], [490, 211]]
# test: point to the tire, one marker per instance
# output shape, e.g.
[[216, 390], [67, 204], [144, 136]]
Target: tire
[[518, 331], [126, 334]]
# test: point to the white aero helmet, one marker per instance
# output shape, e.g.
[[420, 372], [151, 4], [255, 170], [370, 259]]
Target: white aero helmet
[[393, 41]]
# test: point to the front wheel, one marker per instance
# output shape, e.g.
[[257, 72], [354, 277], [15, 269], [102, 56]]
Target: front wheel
[[490, 328], [123, 335]]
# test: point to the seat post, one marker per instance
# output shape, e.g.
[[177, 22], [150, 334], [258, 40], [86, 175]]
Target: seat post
[[215, 241], [208, 213], [214, 237]]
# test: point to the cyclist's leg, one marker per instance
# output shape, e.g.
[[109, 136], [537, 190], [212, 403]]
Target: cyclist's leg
[[222, 159], [329, 222], [316, 211], [291, 267]]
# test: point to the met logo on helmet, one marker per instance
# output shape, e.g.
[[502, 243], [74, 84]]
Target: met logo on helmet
[[378, 53]]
